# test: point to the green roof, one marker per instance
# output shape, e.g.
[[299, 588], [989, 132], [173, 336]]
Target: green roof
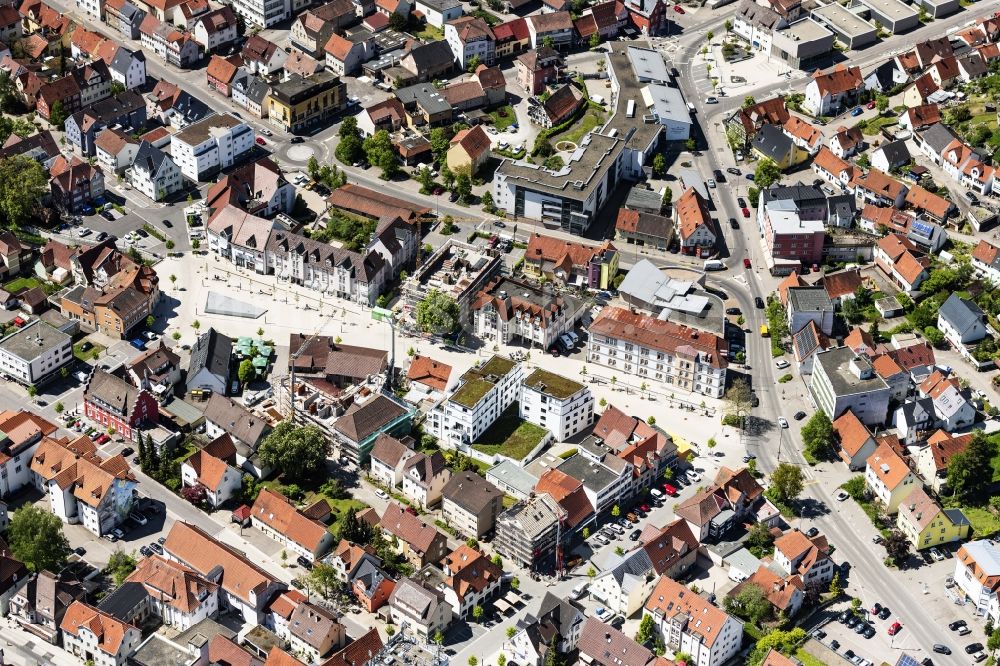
[[552, 384], [498, 365], [472, 392]]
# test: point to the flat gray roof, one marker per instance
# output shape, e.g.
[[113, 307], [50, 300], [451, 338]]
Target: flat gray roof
[[639, 134], [846, 22], [426, 95], [515, 476], [34, 340], [668, 103], [805, 30], [836, 364], [593, 475], [891, 9], [200, 131], [648, 65]]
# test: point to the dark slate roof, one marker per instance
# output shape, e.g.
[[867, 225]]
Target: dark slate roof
[[772, 142], [431, 56], [123, 59], [961, 313], [258, 90], [213, 351], [636, 563], [884, 74], [148, 158], [122, 603], [896, 152], [938, 136]]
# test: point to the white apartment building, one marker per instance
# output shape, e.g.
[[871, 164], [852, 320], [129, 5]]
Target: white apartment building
[[684, 359], [93, 8], [977, 573], [843, 380], [689, 623], [153, 173], [263, 13], [35, 353], [439, 12], [468, 37], [484, 394], [96, 637], [210, 145], [561, 405]]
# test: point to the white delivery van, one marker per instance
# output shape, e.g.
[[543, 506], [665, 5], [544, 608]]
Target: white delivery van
[[578, 591]]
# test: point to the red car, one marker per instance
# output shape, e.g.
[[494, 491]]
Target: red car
[[260, 141], [871, 105], [746, 263], [678, 9], [746, 212], [644, 507], [670, 490], [101, 439], [895, 628]]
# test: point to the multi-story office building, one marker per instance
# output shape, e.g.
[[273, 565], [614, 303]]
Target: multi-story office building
[[35, 353]]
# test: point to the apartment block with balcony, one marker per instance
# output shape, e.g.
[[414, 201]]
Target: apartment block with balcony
[[561, 405]]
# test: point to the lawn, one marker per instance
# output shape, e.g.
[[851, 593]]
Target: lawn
[[490, 18], [875, 125], [591, 119], [339, 510], [984, 522], [429, 33], [807, 659], [510, 436], [88, 355], [20, 283], [503, 117]]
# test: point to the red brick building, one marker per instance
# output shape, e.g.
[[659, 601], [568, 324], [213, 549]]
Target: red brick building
[[113, 402]]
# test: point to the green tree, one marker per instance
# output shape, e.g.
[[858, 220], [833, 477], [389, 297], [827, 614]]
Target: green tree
[[438, 313], [934, 335], [817, 436], [440, 143], [36, 538], [766, 174], [439, 637], [324, 579], [59, 408], [473, 64], [380, 153], [398, 22], [150, 321], [552, 656], [298, 451], [488, 204], [709, 35], [881, 103], [659, 166], [836, 588], [58, 115], [897, 547], [993, 642], [647, 629], [668, 196], [23, 183], [594, 41], [616, 511], [591, 572], [750, 604], [246, 371], [477, 613], [729, 26], [32, 391], [426, 180], [497, 560], [690, 145], [511, 631], [351, 148], [585, 533], [739, 400], [463, 185], [748, 101], [120, 566], [787, 482], [970, 472], [784, 642], [312, 167], [548, 43], [8, 93], [501, 659], [759, 540]]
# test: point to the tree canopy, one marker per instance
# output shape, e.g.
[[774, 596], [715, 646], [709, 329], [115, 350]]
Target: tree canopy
[[378, 148], [298, 451], [120, 565], [438, 313], [23, 182], [750, 604], [970, 473], [817, 436], [787, 482], [351, 148], [784, 642], [766, 174], [36, 538]]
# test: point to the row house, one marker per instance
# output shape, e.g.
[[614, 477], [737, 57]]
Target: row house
[[168, 43], [124, 17], [262, 57], [125, 111], [827, 93], [313, 28], [213, 467], [878, 188], [275, 515], [174, 107], [680, 357], [94, 636], [64, 92], [222, 73], [250, 93], [215, 29], [114, 403], [40, 601], [418, 542]]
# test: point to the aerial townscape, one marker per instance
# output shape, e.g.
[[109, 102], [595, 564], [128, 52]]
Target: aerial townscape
[[499, 332]]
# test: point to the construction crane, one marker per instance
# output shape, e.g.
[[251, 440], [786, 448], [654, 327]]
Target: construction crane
[[291, 372]]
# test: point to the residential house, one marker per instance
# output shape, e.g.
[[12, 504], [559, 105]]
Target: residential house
[[805, 136], [986, 259], [175, 47], [179, 596], [422, 608], [977, 575], [347, 557], [74, 183], [827, 93], [808, 557], [153, 173], [470, 149], [601, 643], [625, 583], [222, 73], [537, 68], [246, 588], [127, 111], [786, 594], [258, 187], [962, 321], [215, 29], [471, 39], [313, 633], [920, 117], [419, 543], [262, 57], [157, 370], [889, 478], [251, 93], [114, 403], [934, 458], [689, 623], [927, 525], [344, 55], [471, 504], [671, 550], [807, 304], [124, 17], [847, 142], [744, 124], [115, 150], [312, 29], [832, 168], [731, 498], [358, 428], [93, 635], [471, 578], [388, 459], [558, 620], [644, 228], [876, 187], [557, 26], [890, 155], [40, 601], [899, 259], [558, 108], [930, 205], [856, 444], [696, 230], [424, 478], [429, 379], [208, 368], [213, 467], [953, 410], [570, 262], [246, 429]]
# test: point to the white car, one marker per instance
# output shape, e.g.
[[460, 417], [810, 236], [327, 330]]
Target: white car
[[693, 476], [83, 232], [80, 375], [381, 494], [936, 554], [782, 421], [601, 613], [266, 132], [841, 495], [781, 364]]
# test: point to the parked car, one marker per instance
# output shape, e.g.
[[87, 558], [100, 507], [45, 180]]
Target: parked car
[[297, 139], [895, 628], [798, 416], [936, 554], [841, 495], [885, 613], [138, 517], [782, 421], [942, 649], [634, 536], [957, 624], [304, 562], [857, 111], [733, 223], [811, 532], [601, 539], [745, 212], [781, 364], [759, 302], [381, 494], [146, 551], [870, 105], [680, 10], [973, 647], [734, 171], [746, 263], [733, 311]]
